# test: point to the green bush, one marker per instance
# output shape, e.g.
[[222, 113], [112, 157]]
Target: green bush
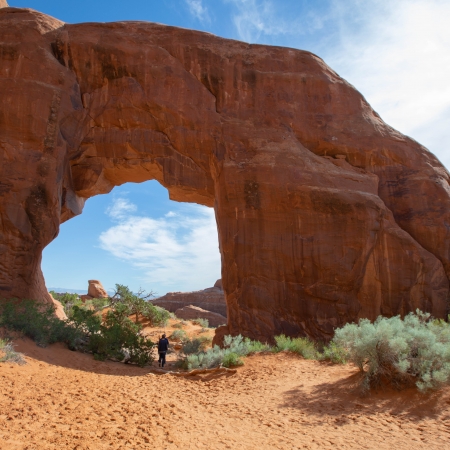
[[120, 339], [178, 325], [191, 346], [37, 321], [231, 359], [178, 335], [334, 353], [399, 352], [8, 354], [302, 346], [157, 316], [230, 355], [204, 323]]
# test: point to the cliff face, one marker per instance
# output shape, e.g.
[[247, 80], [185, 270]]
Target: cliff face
[[211, 299], [325, 213]]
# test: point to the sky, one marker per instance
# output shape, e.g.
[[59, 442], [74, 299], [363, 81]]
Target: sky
[[394, 52]]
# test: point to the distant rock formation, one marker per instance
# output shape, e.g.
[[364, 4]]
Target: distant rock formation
[[194, 312], [96, 289], [3, 4], [210, 299]]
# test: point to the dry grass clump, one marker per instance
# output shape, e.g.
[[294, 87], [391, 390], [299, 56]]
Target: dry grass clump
[[8, 354]]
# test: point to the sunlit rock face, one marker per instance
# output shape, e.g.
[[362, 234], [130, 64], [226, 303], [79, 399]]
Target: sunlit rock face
[[325, 214]]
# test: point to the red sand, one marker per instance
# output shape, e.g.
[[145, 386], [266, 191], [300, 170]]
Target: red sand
[[67, 400]]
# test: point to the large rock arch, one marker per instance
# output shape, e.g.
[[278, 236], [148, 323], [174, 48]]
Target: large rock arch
[[325, 213]]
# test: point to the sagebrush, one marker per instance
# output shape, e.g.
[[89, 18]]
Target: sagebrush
[[415, 350]]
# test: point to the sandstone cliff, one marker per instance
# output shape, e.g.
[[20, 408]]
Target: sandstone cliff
[[211, 299], [325, 214]]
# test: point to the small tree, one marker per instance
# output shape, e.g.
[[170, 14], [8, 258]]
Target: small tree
[[136, 304]]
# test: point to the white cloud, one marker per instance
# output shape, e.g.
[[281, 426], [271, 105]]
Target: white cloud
[[256, 18], [178, 251], [120, 208], [198, 10]]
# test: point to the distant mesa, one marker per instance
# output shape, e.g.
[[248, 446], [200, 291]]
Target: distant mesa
[[211, 299]]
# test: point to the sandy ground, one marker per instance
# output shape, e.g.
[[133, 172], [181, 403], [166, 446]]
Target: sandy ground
[[67, 400]]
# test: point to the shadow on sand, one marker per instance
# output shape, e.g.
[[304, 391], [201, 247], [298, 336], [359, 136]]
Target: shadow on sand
[[59, 355], [344, 397]]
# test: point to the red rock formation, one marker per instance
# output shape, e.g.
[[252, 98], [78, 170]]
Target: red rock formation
[[194, 312], [96, 289], [325, 213], [211, 299]]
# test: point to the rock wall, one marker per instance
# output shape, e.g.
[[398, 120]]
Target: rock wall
[[211, 299], [325, 214]]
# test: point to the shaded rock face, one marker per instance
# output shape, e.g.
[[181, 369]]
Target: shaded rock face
[[210, 299], [96, 289], [194, 312], [325, 214]]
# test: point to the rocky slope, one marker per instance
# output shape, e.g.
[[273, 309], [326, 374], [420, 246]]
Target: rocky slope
[[325, 214]]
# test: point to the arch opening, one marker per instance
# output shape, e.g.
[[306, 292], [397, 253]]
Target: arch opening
[[138, 237]]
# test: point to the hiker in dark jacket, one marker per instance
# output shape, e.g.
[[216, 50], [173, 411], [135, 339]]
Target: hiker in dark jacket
[[163, 346]]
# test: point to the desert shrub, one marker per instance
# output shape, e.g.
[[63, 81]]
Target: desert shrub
[[205, 340], [231, 359], [178, 335], [120, 339], [302, 346], [230, 355], [191, 346], [37, 321], [8, 354], [178, 325], [256, 346], [65, 297], [156, 315], [400, 352], [204, 323], [99, 303], [334, 353], [70, 305]]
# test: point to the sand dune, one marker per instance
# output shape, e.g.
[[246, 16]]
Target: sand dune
[[67, 400]]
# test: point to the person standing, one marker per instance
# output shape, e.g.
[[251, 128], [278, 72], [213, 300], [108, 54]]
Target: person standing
[[163, 346]]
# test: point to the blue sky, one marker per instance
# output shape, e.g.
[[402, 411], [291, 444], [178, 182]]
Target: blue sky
[[394, 52]]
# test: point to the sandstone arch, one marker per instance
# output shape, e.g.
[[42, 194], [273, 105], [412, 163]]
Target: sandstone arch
[[325, 213]]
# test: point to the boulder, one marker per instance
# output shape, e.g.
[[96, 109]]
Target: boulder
[[194, 312], [325, 213], [84, 298], [96, 289], [210, 299]]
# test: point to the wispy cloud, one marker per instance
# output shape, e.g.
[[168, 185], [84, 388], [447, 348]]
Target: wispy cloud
[[198, 10], [178, 251], [253, 19], [120, 208]]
